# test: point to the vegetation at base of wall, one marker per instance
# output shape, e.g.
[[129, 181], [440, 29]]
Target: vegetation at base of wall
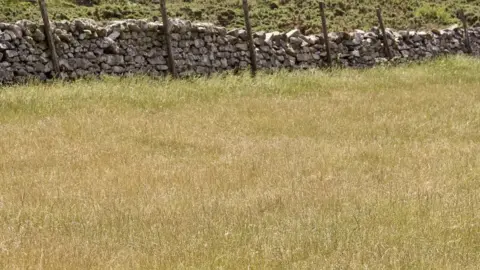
[[346, 169], [266, 14]]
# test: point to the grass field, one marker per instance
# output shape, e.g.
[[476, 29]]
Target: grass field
[[282, 15], [348, 169]]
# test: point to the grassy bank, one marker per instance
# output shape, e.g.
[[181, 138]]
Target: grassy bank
[[266, 14], [373, 169]]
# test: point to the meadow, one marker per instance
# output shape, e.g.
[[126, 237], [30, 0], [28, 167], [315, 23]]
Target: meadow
[[268, 15], [341, 169]]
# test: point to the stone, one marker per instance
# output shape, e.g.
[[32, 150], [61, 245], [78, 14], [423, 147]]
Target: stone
[[159, 60], [134, 27], [139, 59], [65, 65], [311, 39], [417, 38], [275, 36], [261, 35], [90, 55], [437, 32], [294, 33], [30, 69], [82, 24], [199, 43], [32, 58], [161, 67], [258, 41], [265, 48], [224, 62], [221, 40], [101, 32], [39, 67], [105, 43], [304, 57], [9, 35], [238, 33], [176, 36], [16, 29], [105, 66], [115, 60], [114, 35], [82, 63], [118, 69], [242, 46], [296, 41], [11, 53]]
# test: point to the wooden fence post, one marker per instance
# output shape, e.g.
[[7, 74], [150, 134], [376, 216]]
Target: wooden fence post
[[50, 40], [166, 31], [325, 33], [463, 18], [251, 45], [386, 47]]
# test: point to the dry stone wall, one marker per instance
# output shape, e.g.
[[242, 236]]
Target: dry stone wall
[[86, 47]]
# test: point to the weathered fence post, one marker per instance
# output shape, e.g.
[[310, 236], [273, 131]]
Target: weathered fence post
[[386, 47], [463, 18], [325, 33], [166, 31], [50, 40], [251, 45]]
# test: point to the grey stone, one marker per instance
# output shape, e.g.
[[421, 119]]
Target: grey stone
[[82, 63], [118, 69], [296, 41], [176, 36], [242, 46], [65, 65], [139, 59], [259, 41], [105, 66], [134, 27], [293, 33], [159, 60], [304, 57], [90, 55], [82, 24], [199, 43], [105, 43], [39, 67], [11, 53], [9, 35], [22, 72], [114, 35], [115, 60], [32, 58], [238, 33], [274, 37], [16, 29], [161, 67]]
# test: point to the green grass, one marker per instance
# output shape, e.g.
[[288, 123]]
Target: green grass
[[266, 14], [375, 169]]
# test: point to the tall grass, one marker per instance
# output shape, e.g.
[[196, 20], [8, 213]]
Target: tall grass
[[374, 169]]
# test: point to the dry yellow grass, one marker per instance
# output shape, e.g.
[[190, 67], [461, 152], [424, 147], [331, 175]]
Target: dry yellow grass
[[376, 169]]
